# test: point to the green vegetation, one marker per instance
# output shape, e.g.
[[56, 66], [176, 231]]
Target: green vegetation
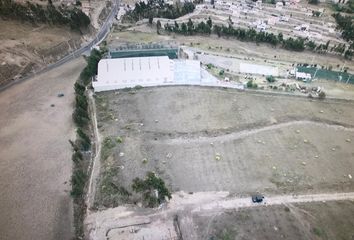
[[78, 180], [315, 2], [91, 68], [318, 231], [270, 79], [111, 193], [346, 25], [148, 186], [251, 35], [322, 95], [346, 8], [158, 9], [251, 84], [107, 145], [83, 139], [35, 13], [82, 144]]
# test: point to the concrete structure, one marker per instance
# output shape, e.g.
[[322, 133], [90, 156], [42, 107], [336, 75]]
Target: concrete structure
[[130, 72]]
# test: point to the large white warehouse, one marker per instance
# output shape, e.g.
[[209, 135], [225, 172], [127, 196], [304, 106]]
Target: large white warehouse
[[129, 72]]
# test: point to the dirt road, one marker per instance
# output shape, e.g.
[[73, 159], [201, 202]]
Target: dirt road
[[35, 156], [112, 222]]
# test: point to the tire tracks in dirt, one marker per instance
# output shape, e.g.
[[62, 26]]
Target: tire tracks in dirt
[[194, 138]]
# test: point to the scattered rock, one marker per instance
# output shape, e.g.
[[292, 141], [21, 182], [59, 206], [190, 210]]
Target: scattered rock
[[211, 144], [333, 149], [303, 163], [217, 157], [297, 131], [156, 121], [306, 141], [321, 111], [274, 168], [121, 154], [348, 140], [144, 160], [350, 176], [316, 156], [169, 155]]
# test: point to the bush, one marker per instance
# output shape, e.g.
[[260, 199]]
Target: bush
[[322, 95], [250, 84], [270, 79], [148, 186], [78, 180]]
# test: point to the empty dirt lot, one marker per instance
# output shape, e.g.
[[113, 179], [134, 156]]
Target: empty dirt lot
[[298, 221], [203, 139], [35, 156]]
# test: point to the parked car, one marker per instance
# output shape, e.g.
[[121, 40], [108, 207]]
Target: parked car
[[257, 198]]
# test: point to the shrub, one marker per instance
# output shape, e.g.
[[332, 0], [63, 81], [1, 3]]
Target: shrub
[[78, 180], [270, 79], [250, 84], [322, 95], [148, 186]]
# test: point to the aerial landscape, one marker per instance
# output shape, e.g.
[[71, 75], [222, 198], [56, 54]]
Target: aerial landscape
[[177, 119]]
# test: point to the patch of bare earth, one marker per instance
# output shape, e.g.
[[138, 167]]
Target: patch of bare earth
[[327, 220], [204, 139], [35, 162], [26, 48]]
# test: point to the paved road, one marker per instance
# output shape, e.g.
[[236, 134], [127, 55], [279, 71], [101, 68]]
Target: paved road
[[102, 33]]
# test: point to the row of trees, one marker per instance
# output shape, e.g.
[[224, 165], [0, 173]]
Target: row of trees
[[159, 9], [82, 144], [35, 13], [294, 44], [346, 25]]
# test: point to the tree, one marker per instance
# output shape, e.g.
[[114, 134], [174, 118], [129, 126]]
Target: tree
[[190, 27], [184, 28], [280, 37], [151, 19], [209, 22], [313, 2], [158, 26], [148, 186], [270, 79], [322, 95]]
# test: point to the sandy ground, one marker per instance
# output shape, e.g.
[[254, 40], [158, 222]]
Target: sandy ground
[[35, 162]]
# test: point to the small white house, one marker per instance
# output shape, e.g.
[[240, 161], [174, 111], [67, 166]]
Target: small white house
[[303, 76]]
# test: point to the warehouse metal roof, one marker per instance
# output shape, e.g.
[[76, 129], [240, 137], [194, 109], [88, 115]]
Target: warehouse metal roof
[[129, 72]]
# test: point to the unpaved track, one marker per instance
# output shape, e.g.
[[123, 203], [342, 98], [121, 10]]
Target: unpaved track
[[35, 156], [247, 133], [95, 166], [101, 223]]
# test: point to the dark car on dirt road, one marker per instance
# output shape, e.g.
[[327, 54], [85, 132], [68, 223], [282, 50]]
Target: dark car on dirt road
[[257, 198]]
